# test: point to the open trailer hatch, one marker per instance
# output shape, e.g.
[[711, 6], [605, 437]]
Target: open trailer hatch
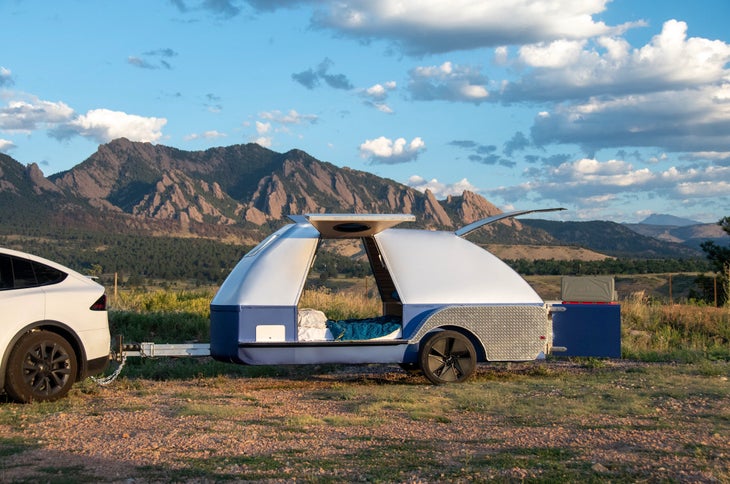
[[335, 225]]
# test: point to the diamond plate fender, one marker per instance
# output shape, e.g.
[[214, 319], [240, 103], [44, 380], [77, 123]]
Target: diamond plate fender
[[507, 333]]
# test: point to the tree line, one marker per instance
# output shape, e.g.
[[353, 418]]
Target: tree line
[[138, 260], [552, 267]]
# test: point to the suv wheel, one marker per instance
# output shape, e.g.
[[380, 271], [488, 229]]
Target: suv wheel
[[42, 367]]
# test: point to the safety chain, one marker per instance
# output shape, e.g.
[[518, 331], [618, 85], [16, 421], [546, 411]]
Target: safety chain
[[110, 378]]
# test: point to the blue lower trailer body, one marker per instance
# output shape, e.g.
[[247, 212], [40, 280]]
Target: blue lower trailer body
[[588, 329], [267, 335], [234, 338]]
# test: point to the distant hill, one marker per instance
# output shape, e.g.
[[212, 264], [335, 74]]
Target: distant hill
[[689, 235], [665, 219], [612, 239]]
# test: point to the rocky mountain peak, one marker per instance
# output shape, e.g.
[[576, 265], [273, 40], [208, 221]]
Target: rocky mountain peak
[[236, 186], [470, 207], [39, 182], [433, 210]]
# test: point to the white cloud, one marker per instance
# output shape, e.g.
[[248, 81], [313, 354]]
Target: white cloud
[[6, 145], [589, 182], [380, 91], [657, 159], [29, 115], [264, 141], [6, 77], [26, 113], [440, 190], [213, 134], [554, 55], [709, 155], [276, 121], [577, 69], [704, 189], [292, 117], [676, 121], [501, 55], [386, 151], [383, 108], [104, 125], [448, 82], [614, 173], [377, 94], [429, 26]]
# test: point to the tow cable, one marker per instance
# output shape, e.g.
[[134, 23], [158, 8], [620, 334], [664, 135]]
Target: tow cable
[[103, 381]]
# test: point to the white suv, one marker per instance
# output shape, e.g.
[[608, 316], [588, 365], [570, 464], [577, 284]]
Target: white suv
[[54, 328]]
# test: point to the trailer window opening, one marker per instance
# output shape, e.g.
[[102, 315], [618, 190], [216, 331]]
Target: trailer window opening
[[347, 263]]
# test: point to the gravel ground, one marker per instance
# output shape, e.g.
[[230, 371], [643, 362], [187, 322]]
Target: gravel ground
[[332, 427]]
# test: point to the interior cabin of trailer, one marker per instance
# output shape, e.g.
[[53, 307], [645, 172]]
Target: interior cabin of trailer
[[365, 278]]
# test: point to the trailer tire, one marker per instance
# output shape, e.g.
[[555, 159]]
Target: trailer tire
[[447, 357], [42, 367]]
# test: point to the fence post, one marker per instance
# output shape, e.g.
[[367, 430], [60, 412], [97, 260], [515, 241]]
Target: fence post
[[671, 299]]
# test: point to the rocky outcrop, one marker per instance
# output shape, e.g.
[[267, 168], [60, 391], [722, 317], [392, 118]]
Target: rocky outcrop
[[176, 196], [470, 207], [433, 210], [40, 183]]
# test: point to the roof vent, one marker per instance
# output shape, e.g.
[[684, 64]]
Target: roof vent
[[351, 227]]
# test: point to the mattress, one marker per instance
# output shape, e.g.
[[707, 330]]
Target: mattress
[[314, 326]]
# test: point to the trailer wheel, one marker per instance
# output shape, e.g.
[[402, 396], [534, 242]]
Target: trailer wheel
[[41, 367], [447, 357]]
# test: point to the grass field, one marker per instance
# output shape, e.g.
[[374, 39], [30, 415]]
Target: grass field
[[651, 330]]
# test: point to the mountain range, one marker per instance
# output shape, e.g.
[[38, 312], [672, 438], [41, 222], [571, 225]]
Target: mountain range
[[242, 192], [691, 235]]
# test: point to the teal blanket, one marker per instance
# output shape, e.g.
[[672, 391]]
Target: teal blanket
[[359, 329]]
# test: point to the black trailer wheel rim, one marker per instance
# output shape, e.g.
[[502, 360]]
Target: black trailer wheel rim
[[448, 357]]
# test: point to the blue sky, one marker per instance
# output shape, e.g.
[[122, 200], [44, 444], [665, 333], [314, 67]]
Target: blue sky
[[612, 109]]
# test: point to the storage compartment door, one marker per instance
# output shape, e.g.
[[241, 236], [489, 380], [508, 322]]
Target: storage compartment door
[[588, 330]]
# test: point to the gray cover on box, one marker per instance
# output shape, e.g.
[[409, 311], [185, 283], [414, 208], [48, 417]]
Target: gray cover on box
[[588, 289]]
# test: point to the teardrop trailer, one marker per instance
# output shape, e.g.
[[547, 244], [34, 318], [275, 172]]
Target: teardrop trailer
[[447, 303]]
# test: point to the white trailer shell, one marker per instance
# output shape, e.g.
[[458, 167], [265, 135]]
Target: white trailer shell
[[434, 281]]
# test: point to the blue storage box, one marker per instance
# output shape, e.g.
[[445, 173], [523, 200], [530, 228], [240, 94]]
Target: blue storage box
[[587, 329]]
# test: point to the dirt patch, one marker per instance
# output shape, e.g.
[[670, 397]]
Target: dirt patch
[[377, 423]]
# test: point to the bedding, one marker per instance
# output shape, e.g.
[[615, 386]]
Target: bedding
[[314, 326], [361, 329]]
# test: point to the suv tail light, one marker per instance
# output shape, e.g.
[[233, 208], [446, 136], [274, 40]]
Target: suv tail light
[[100, 304]]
